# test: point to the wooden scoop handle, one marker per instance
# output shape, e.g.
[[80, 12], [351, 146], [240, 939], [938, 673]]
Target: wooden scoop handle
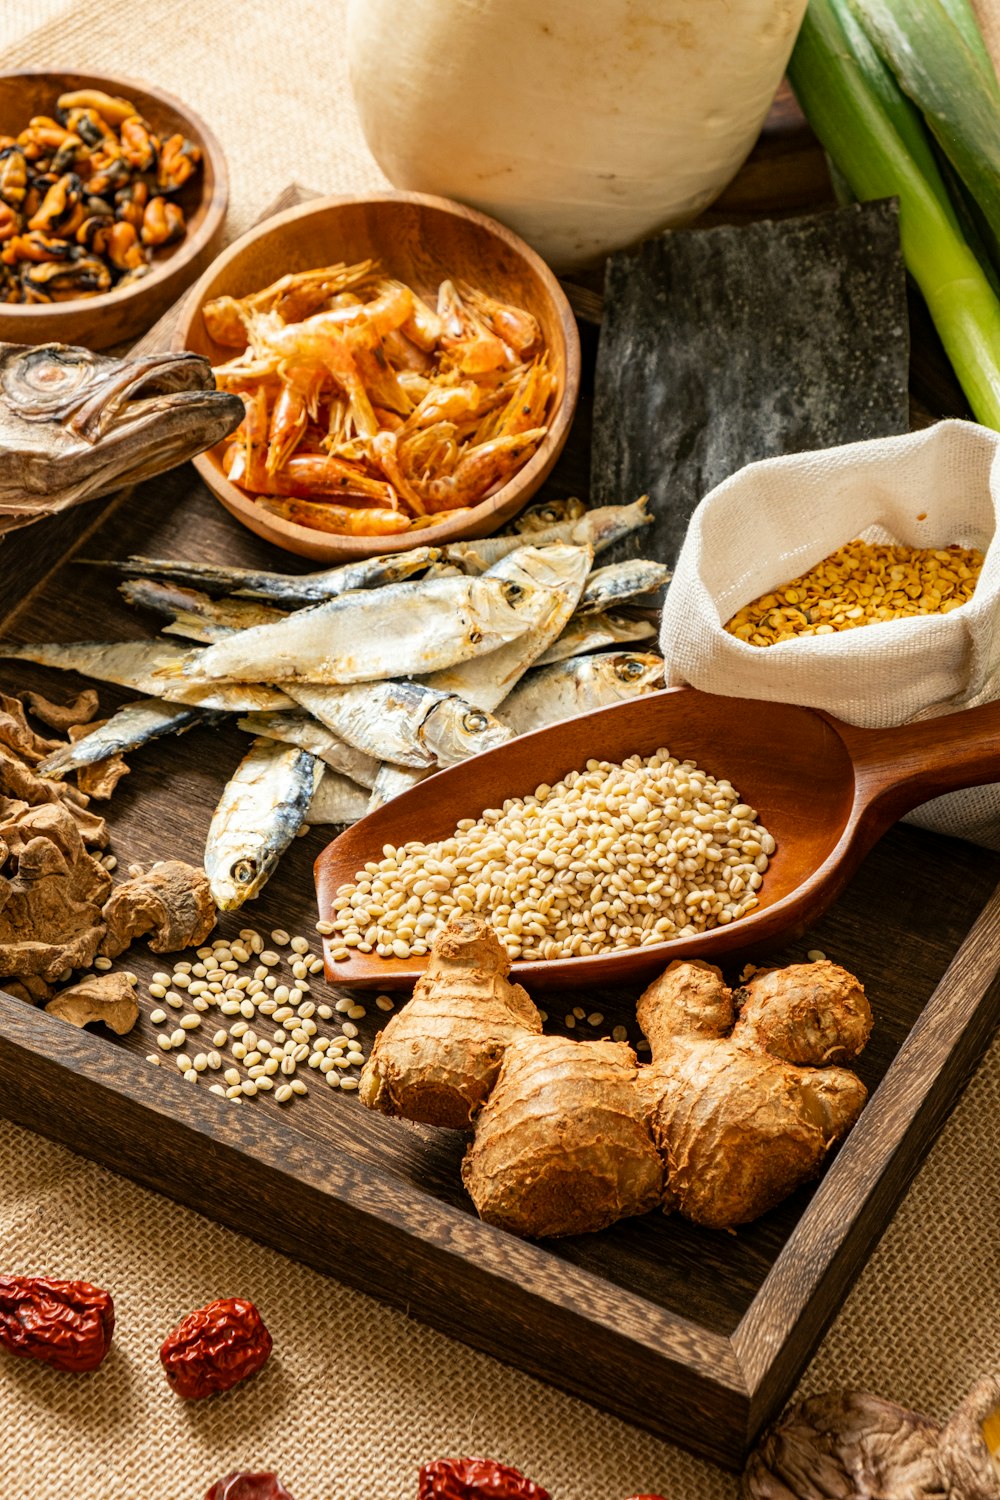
[[897, 769]]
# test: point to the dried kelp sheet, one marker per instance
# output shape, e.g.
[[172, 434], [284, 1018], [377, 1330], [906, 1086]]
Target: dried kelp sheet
[[725, 345]]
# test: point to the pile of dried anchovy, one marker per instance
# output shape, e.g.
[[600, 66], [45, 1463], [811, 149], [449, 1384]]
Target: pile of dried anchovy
[[86, 197]]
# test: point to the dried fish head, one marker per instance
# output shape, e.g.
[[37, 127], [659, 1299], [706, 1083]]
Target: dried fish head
[[640, 671], [74, 424], [261, 810], [454, 730], [578, 685], [505, 611], [546, 513]]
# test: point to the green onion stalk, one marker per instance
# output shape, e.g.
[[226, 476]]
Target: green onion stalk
[[878, 140]]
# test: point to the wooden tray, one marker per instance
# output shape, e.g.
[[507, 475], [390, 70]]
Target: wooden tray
[[698, 1336]]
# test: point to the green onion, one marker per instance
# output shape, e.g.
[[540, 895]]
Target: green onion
[[880, 144], [953, 85]]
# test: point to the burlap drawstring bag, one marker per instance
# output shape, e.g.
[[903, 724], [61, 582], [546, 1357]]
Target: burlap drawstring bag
[[777, 518]]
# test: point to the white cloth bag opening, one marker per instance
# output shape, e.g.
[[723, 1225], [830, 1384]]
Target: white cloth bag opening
[[775, 519]]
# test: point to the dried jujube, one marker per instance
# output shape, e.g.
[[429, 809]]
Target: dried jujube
[[475, 1479], [214, 1348], [244, 1486], [65, 1324]]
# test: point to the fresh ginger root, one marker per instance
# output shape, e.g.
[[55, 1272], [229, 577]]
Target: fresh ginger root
[[562, 1145], [744, 1119], [438, 1058], [738, 1107]]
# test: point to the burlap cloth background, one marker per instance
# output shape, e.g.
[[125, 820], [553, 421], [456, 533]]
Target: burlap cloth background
[[357, 1396]]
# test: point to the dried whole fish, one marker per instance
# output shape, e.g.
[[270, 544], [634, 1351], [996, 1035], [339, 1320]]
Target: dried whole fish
[[300, 729], [337, 799], [576, 686], [401, 630], [198, 617], [619, 582], [134, 664], [562, 570], [75, 425], [261, 810], [407, 723], [133, 725], [287, 589], [599, 528], [588, 633]]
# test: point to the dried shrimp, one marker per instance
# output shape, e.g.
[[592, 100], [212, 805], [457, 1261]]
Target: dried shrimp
[[370, 412]]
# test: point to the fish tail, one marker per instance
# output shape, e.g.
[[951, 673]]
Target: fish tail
[[171, 669], [191, 627], [54, 767], [646, 517]]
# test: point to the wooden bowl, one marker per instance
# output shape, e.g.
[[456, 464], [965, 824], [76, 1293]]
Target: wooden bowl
[[419, 240], [116, 316]]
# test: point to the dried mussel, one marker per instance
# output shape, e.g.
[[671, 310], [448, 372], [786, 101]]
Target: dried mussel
[[87, 196]]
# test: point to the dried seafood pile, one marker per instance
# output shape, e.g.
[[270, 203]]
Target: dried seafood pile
[[358, 681], [87, 198], [367, 411]]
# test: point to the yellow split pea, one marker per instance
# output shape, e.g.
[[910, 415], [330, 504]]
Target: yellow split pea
[[862, 584]]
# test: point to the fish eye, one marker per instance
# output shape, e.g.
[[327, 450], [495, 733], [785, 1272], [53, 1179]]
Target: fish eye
[[475, 723], [49, 372], [629, 669], [244, 871], [513, 591]]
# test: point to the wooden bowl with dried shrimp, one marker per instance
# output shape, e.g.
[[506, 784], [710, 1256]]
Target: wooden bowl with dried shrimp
[[195, 200], [419, 390]]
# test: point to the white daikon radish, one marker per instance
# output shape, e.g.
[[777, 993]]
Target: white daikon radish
[[582, 124]]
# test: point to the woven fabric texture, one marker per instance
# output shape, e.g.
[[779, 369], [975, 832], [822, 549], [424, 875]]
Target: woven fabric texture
[[357, 1395]]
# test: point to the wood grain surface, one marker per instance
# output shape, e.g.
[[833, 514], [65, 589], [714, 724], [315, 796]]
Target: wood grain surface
[[108, 319], [694, 1334]]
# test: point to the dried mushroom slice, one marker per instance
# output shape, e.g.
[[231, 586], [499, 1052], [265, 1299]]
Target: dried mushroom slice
[[17, 734], [100, 779], [849, 1444], [970, 1444], [63, 716], [171, 901], [19, 781], [108, 998], [51, 895], [31, 988]]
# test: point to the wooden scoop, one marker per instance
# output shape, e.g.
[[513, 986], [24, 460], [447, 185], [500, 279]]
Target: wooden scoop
[[825, 790]]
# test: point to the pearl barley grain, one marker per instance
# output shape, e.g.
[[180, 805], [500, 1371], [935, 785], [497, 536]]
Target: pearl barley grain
[[609, 858]]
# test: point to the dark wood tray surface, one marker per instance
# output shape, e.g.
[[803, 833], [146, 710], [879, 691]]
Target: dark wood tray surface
[[698, 1336]]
